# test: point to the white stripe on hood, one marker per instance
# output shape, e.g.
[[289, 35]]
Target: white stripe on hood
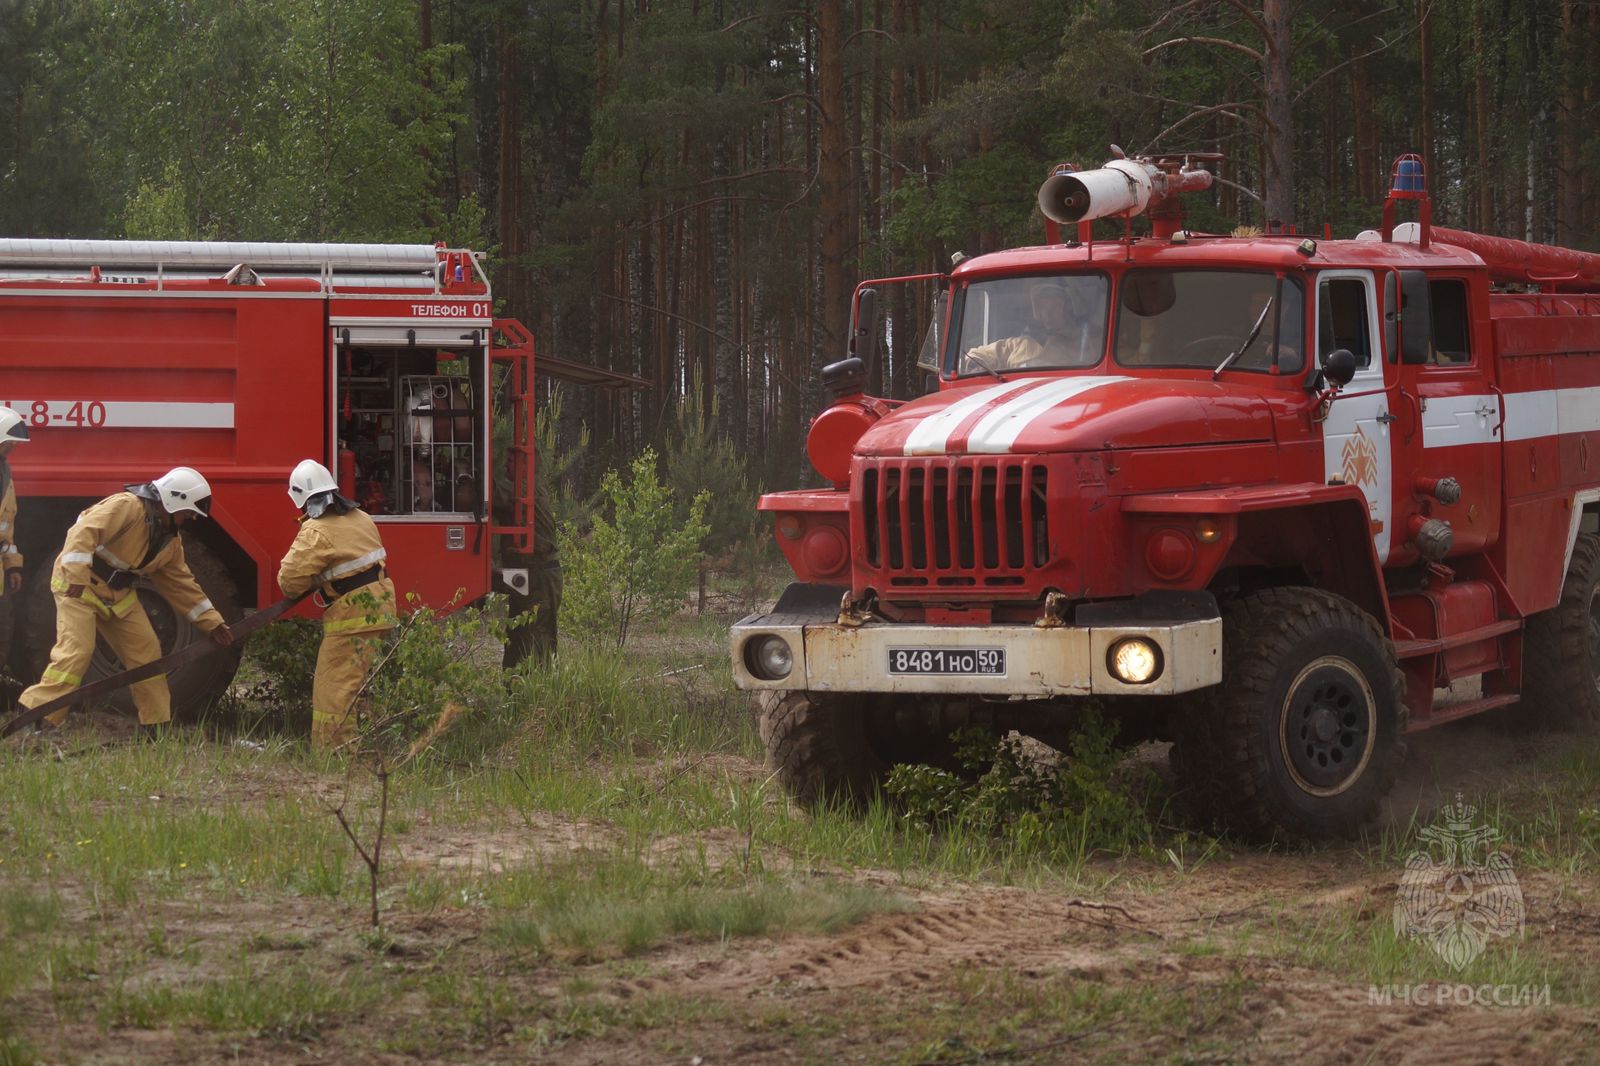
[[931, 436]]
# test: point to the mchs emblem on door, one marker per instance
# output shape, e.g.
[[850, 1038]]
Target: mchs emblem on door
[[1360, 459]]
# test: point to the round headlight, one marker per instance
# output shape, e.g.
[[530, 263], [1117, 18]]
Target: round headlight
[[1135, 661], [769, 658]]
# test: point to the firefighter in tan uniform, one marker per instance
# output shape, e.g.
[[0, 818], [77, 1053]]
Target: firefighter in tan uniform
[[123, 537], [13, 431], [1060, 335], [338, 551]]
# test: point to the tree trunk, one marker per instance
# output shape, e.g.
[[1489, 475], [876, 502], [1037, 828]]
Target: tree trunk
[[833, 179], [1279, 178], [1365, 135], [1480, 98], [903, 347], [1569, 181], [507, 203], [1425, 55]]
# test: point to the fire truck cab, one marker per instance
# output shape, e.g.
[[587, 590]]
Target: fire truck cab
[[1259, 495], [384, 362]]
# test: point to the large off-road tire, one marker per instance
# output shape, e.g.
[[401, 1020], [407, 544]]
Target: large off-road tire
[[195, 686], [1561, 650], [840, 748], [1303, 738], [819, 747]]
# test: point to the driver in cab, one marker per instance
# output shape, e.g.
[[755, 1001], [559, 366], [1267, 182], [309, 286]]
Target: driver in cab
[[1059, 335]]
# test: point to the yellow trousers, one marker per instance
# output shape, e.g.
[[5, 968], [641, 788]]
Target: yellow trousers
[[342, 665], [126, 628]]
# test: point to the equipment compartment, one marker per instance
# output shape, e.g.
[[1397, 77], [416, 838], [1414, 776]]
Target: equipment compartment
[[410, 433]]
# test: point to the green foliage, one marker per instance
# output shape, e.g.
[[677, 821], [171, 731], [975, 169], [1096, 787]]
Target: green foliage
[[702, 461], [296, 120], [638, 560], [434, 668], [157, 210], [1090, 800], [280, 663], [559, 466]]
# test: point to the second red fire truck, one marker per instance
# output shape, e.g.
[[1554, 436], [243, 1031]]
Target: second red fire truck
[[384, 362], [1262, 496]]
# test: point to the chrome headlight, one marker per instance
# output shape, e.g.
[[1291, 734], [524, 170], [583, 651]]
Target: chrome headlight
[[769, 657], [1134, 661]]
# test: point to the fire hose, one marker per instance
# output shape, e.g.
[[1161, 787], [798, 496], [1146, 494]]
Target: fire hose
[[164, 665]]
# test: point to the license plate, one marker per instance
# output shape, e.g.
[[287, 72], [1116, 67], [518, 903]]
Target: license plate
[[977, 662]]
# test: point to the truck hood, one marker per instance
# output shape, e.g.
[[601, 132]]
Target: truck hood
[[1063, 414]]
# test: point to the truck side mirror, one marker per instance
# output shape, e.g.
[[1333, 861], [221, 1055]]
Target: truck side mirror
[[1339, 366], [864, 338]]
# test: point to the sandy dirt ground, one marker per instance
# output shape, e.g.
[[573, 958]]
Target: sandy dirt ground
[[1191, 965]]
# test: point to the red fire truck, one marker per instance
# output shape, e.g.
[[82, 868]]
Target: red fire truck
[[240, 359], [1263, 496]]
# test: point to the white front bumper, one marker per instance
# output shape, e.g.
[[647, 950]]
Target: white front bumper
[[1060, 661]]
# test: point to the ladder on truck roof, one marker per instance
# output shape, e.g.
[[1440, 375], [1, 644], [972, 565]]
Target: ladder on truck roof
[[420, 267]]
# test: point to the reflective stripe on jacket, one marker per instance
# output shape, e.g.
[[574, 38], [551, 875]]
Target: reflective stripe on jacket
[[117, 530], [334, 547]]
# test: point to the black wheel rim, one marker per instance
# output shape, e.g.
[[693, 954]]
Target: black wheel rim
[[1328, 726]]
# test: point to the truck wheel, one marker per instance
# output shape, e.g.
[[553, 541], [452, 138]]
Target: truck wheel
[[1561, 653], [820, 747], [196, 686], [1302, 740]]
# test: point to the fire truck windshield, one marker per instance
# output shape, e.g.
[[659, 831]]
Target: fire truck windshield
[[1198, 318], [1037, 322]]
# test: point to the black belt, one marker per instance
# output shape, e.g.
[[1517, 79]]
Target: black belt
[[117, 579], [343, 586]]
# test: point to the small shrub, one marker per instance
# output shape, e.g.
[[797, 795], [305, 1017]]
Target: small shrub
[[1090, 800], [431, 671], [433, 663], [280, 663], [635, 566], [702, 461]]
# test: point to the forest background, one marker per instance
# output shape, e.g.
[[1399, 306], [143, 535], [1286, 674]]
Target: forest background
[[689, 190]]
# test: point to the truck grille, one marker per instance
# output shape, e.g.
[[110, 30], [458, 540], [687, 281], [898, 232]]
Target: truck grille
[[957, 522]]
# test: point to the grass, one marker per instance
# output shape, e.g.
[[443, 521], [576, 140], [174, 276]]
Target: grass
[[997, 1015], [1544, 818], [89, 843], [1361, 942], [111, 860], [154, 821], [282, 1003], [589, 907]]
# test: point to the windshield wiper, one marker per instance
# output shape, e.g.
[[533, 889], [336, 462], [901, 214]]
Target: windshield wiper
[[985, 367], [1254, 331]]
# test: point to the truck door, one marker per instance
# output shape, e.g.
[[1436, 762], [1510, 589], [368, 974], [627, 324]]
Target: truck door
[[1448, 380], [1357, 447]]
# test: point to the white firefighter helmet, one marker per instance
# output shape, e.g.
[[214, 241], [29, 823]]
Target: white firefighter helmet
[[12, 426], [184, 489], [309, 479]]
